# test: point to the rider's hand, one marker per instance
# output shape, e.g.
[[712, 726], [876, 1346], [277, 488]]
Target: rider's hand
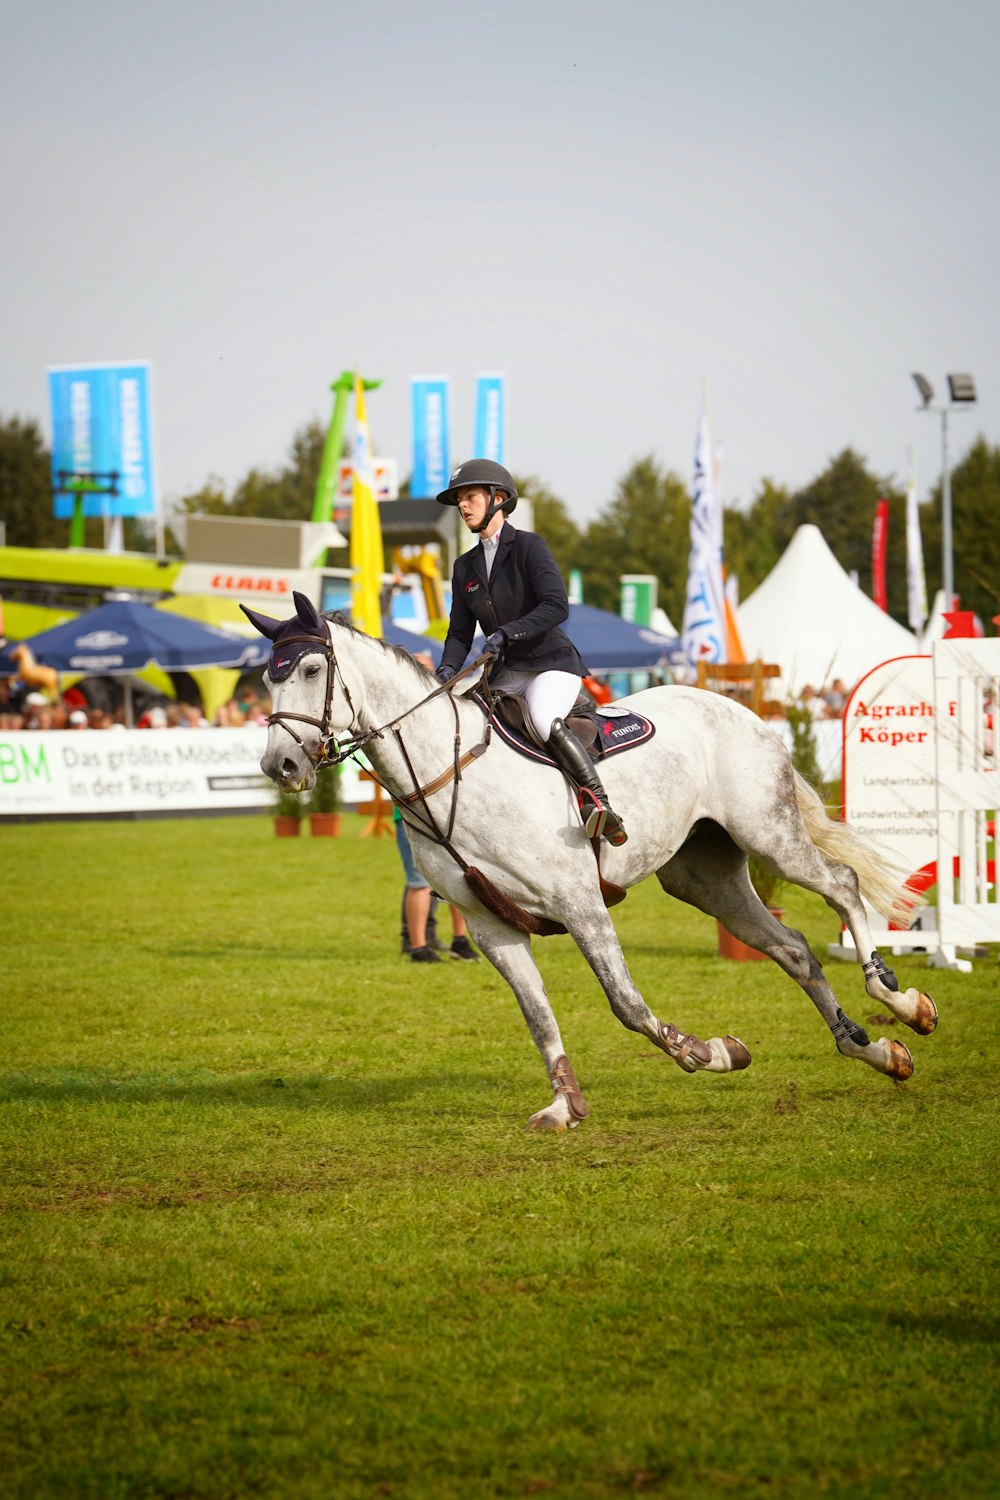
[[495, 643], [443, 674]]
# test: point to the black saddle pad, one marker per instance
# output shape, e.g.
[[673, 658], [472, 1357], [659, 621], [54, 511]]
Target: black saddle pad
[[618, 729]]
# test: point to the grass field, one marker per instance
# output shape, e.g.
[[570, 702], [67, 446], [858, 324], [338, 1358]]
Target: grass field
[[272, 1225]]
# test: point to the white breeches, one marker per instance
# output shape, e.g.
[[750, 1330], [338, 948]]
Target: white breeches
[[546, 695]]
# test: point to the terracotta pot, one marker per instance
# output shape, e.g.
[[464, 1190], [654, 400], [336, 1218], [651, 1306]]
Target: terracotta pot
[[324, 825], [731, 947], [285, 827]]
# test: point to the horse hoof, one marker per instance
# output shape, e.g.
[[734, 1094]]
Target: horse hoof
[[739, 1054], [729, 1055], [925, 1013], [900, 1062], [547, 1119]]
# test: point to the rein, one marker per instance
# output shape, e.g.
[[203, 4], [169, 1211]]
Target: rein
[[332, 752]]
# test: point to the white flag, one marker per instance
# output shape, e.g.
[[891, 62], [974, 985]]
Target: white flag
[[916, 581], [704, 629]]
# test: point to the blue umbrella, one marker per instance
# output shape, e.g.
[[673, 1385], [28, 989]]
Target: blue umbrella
[[608, 643], [122, 637]]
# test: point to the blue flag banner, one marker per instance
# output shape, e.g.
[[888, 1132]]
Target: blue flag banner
[[102, 427], [431, 461], [489, 418]]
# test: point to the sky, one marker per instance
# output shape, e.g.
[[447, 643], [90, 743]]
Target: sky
[[787, 204]]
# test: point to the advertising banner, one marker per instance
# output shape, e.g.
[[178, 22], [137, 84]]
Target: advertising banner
[[102, 427], [704, 629], [116, 772], [431, 461], [880, 540], [489, 418], [890, 780]]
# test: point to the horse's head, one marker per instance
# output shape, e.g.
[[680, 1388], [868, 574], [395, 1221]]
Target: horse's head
[[307, 708]]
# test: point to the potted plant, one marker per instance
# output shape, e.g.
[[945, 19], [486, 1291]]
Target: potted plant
[[288, 810], [767, 883], [324, 804]]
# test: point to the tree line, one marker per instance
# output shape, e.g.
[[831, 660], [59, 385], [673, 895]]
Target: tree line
[[643, 528]]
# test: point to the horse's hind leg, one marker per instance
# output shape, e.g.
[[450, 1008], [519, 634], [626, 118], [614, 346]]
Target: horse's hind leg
[[595, 936], [510, 954], [709, 871], [825, 857], [829, 858]]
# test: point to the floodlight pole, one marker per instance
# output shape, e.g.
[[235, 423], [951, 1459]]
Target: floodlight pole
[[947, 554], [962, 390]]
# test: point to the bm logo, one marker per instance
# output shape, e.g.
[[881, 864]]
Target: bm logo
[[19, 767]]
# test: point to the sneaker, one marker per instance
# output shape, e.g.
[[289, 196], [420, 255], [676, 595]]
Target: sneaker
[[463, 949], [423, 956]]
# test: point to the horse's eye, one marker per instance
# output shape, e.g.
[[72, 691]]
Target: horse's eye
[[312, 670]]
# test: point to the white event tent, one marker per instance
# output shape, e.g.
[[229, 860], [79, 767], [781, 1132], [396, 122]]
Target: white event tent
[[809, 618]]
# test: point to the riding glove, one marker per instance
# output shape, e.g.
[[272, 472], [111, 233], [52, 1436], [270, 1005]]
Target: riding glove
[[495, 644], [443, 674]]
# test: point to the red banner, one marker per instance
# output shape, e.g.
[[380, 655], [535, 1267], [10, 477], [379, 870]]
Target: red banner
[[880, 537]]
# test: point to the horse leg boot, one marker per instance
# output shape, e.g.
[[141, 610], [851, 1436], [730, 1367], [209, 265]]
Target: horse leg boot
[[599, 819]]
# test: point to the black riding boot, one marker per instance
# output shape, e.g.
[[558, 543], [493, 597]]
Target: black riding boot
[[598, 817]]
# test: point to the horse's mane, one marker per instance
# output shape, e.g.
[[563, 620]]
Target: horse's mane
[[426, 677]]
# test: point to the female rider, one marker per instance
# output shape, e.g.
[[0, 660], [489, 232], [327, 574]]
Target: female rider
[[510, 586]]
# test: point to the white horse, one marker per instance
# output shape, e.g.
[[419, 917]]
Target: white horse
[[500, 837]]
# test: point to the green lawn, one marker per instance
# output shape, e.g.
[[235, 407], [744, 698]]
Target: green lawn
[[272, 1224]]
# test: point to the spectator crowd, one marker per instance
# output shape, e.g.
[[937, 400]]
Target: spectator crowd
[[24, 707]]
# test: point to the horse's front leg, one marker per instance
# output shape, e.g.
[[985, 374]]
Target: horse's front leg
[[510, 954], [595, 936]]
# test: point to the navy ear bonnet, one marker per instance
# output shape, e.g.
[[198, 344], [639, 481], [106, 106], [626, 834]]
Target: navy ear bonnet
[[293, 638]]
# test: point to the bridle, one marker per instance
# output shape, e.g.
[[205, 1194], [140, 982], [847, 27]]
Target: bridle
[[323, 756]]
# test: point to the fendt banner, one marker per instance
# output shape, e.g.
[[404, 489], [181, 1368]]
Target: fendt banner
[[431, 461], [102, 432], [489, 418]]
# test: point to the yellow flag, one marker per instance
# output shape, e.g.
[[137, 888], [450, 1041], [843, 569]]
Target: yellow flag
[[367, 556]]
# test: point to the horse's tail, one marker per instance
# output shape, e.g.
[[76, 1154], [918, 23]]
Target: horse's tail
[[882, 883]]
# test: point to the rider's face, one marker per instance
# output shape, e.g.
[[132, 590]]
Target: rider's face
[[473, 503]]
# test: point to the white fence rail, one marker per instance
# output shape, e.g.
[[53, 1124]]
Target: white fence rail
[[966, 698]]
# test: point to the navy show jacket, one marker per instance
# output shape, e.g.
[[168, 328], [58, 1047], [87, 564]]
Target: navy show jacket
[[524, 597]]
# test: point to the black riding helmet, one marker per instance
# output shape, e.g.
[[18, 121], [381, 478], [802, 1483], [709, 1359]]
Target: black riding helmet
[[484, 474]]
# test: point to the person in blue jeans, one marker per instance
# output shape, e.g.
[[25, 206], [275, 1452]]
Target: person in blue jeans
[[417, 910]]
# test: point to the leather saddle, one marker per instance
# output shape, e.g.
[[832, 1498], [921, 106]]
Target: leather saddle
[[581, 719]]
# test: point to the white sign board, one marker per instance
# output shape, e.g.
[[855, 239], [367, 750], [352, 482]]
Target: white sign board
[[111, 772], [890, 775]]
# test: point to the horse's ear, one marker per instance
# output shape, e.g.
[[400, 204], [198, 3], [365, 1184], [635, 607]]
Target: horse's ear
[[308, 614], [263, 623]]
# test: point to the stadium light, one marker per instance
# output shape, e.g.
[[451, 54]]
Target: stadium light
[[961, 393]]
